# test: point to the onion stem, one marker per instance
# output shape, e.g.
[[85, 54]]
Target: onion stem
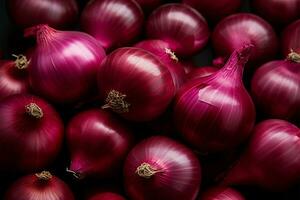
[[34, 110], [145, 170], [116, 101], [21, 61], [171, 54], [75, 174], [44, 175], [294, 56]]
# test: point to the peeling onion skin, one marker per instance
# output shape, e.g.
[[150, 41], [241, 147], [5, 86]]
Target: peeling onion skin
[[290, 39], [221, 193]]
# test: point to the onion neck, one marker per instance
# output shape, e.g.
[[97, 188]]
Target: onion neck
[[21, 61], [116, 101], [42, 32], [294, 56], [171, 54], [44, 176], [34, 110], [145, 170]]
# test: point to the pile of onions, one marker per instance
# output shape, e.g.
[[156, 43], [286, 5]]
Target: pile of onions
[[149, 5], [63, 64], [168, 57], [106, 196], [244, 28], [216, 113], [272, 159], [291, 38], [134, 83], [31, 133], [201, 72], [14, 76], [39, 186], [161, 168], [181, 26], [98, 144], [113, 23], [276, 87], [55, 13], [221, 193], [214, 11]]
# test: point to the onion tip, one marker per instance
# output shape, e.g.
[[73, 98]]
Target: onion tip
[[21, 61], [294, 56], [145, 170], [34, 110], [44, 175], [116, 101], [171, 54], [74, 174]]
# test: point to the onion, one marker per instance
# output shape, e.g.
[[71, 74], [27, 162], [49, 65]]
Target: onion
[[149, 5], [31, 133], [222, 193], [239, 29], [161, 168], [278, 12], [55, 13], [272, 159], [216, 113], [14, 77], [201, 72], [98, 143], [64, 63], [181, 26], [214, 11], [113, 23], [40, 186], [291, 38], [165, 54], [135, 84], [106, 196], [276, 88]]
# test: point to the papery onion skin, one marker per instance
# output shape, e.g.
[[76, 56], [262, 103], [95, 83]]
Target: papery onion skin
[[237, 30], [215, 11], [30, 187], [181, 26], [55, 13], [114, 23], [165, 54], [177, 175], [98, 143], [221, 193], [139, 85], [272, 159], [215, 113], [201, 72], [291, 38], [64, 64], [106, 196], [28, 142]]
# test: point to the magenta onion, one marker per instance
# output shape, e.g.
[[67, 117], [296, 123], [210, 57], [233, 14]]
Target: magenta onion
[[222, 193], [55, 13], [181, 26], [216, 113], [276, 87], [244, 28], [278, 12], [291, 38], [113, 23], [135, 84], [64, 63], [168, 57], [214, 11], [201, 72], [98, 143], [40, 186], [149, 5], [106, 196], [31, 133], [161, 168], [14, 76], [272, 159]]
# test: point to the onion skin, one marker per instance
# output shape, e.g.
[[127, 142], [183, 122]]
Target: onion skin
[[291, 38], [201, 72], [114, 23], [233, 32], [139, 85], [28, 142], [30, 187], [221, 193], [106, 196], [64, 64], [181, 26], [98, 143], [215, 113], [272, 159], [55, 13], [177, 175]]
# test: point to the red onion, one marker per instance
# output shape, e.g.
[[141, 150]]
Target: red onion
[[14, 77], [135, 84], [291, 38], [106, 196], [276, 87], [55, 13], [214, 11], [149, 5], [222, 193], [113, 23], [98, 143], [161, 168], [64, 63], [165, 54], [181, 26], [216, 113], [239, 29], [201, 72], [272, 159], [278, 12], [40, 186]]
